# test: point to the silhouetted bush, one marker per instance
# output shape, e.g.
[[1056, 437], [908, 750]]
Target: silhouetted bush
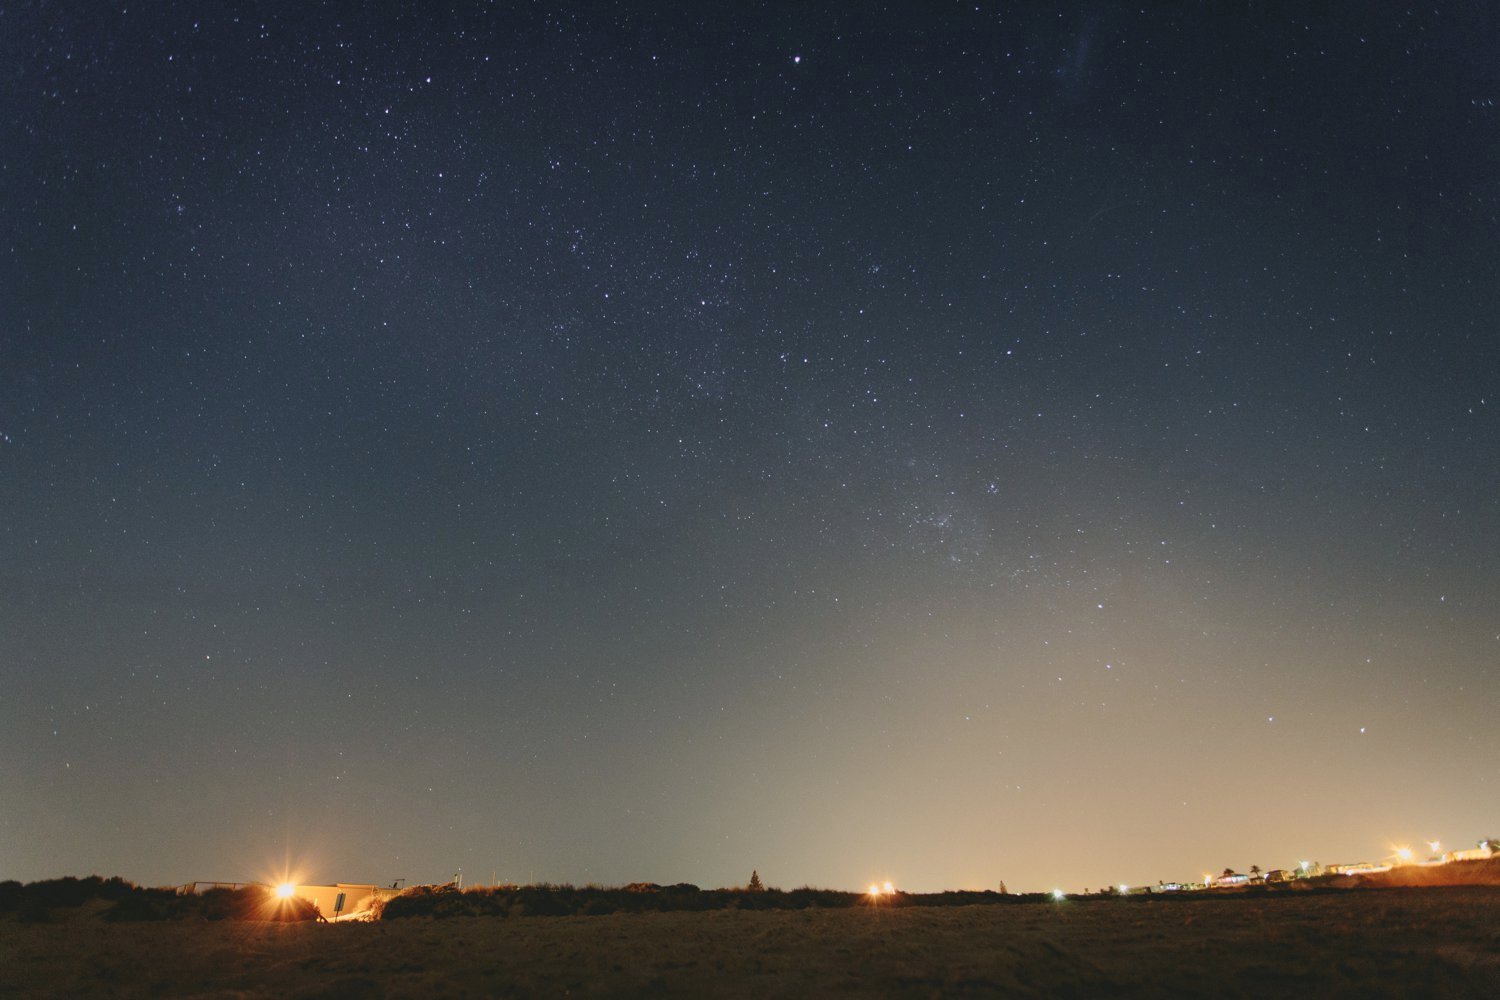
[[11, 893], [72, 892], [34, 911], [39, 902], [567, 900], [251, 902], [649, 897], [51, 899], [222, 904], [146, 905]]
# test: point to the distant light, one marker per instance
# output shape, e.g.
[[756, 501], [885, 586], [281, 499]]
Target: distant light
[[888, 888], [286, 890], [1124, 889], [1058, 894], [1404, 853], [1305, 865], [1435, 845], [874, 889]]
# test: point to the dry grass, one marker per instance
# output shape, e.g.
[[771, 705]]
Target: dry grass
[[1401, 942]]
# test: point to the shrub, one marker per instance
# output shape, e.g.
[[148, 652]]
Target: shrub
[[139, 907], [38, 902], [547, 900], [11, 894]]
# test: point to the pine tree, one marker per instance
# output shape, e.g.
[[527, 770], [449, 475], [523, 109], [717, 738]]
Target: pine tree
[[755, 883]]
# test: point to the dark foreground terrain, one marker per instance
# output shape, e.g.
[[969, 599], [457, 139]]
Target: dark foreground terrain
[[1374, 942]]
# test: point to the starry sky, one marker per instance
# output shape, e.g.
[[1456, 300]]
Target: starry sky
[[598, 442]]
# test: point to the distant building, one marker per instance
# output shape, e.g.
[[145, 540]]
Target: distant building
[[1358, 868], [342, 899], [333, 902]]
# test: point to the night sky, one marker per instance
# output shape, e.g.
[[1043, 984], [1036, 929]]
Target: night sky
[[595, 443]]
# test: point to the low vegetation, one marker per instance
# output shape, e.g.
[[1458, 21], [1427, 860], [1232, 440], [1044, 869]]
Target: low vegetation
[[644, 897], [114, 900]]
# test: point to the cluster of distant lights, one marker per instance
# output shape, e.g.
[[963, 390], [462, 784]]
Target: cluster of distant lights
[[1404, 854]]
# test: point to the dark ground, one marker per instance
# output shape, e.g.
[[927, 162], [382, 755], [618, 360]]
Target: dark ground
[[1394, 942]]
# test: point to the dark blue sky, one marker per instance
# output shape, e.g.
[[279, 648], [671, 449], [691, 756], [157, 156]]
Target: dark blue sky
[[595, 443]]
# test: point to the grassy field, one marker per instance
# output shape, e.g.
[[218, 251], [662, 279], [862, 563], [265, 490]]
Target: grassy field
[[1390, 942]]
